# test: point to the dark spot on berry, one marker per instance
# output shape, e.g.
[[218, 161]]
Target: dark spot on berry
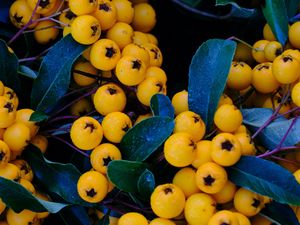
[[193, 144], [9, 106], [112, 91], [91, 193], [136, 64], [2, 155], [110, 52], [278, 51], [159, 85], [209, 180], [11, 94], [91, 126], [227, 145], [255, 203], [44, 3], [126, 128], [196, 119], [106, 160], [94, 29], [224, 224], [155, 51], [25, 168], [104, 7], [16, 179], [263, 67], [17, 18], [92, 1], [168, 190], [69, 15], [287, 58]]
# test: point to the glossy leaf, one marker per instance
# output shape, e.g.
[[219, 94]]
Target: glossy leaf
[[55, 177], [292, 7], [54, 73], [276, 15], [273, 133], [236, 10], [27, 72], [207, 77], [38, 116], [15, 196], [266, 178], [161, 106], [145, 137], [285, 217], [125, 174], [8, 67], [146, 184]]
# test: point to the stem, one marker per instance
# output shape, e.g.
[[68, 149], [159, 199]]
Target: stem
[[243, 42], [72, 146], [76, 100], [285, 160], [59, 22], [26, 25], [278, 148], [42, 28], [57, 129], [34, 57], [62, 118], [273, 116]]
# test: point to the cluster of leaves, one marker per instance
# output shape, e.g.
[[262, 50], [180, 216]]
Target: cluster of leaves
[[137, 174]]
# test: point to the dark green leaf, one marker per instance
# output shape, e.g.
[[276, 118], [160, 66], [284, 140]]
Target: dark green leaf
[[55, 177], [125, 174], [54, 73], [273, 133], [145, 137], [75, 215], [38, 116], [27, 72], [8, 67], [292, 7], [18, 198], [266, 178], [275, 13], [207, 77], [104, 220], [161, 106], [146, 184], [238, 11], [285, 217]]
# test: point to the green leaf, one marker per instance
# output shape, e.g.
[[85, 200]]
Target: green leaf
[[18, 198], [292, 7], [27, 72], [38, 116], [55, 177], [273, 133], [285, 217], [276, 15], [145, 137], [146, 184], [161, 106], [266, 178], [8, 67], [54, 73], [236, 10], [207, 77], [125, 174]]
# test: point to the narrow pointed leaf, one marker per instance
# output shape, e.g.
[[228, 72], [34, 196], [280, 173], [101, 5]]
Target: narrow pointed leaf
[[54, 73], [27, 72], [18, 198], [146, 137], [266, 178], [161, 106], [276, 15], [55, 177], [8, 67], [38, 116], [208, 75]]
